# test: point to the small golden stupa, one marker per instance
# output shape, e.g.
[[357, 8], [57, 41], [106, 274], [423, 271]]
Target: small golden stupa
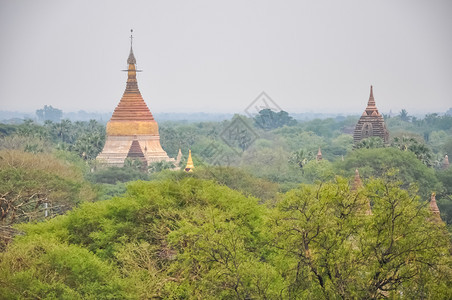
[[132, 131], [189, 167]]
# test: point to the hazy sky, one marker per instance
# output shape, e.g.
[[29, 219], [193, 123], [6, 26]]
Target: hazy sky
[[218, 56]]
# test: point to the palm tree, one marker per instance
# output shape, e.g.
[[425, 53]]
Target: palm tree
[[422, 152], [370, 143], [404, 115], [403, 142], [62, 130]]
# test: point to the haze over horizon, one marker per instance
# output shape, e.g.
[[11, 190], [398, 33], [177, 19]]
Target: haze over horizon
[[217, 57]]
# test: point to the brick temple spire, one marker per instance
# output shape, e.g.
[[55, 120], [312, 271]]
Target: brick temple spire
[[434, 206], [371, 122], [371, 106], [446, 162], [319, 155]]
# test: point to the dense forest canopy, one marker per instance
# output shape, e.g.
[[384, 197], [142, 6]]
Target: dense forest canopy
[[272, 210], [193, 238]]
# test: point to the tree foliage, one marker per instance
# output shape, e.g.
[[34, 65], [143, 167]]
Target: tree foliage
[[192, 238], [269, 119], [332, 247], [377, 162], [33, 186], [49, 113]]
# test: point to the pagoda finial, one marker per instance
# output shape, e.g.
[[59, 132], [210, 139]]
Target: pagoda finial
[[131, 59], [189, 167]]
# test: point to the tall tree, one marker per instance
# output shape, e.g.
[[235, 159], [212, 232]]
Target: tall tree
[[332, 247], [49, 113], [35, 186], [404, 115]]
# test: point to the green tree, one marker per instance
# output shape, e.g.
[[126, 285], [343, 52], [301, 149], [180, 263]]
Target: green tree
[[377, 162], [300, 158], [112, 175], [404, 115], [186, 239], [44, 268], [318, 171], [269, 119], [331, 247], [370, 143], [160, 166], [35, 186], [48, 113], [406, 143]]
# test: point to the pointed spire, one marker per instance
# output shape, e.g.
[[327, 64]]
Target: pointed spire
[[371, 123], [371, 102], [434, 206], [178, 157], [446, 162], [189, 167], [319, 155], [132, 84], [132, 106], [357, 182]]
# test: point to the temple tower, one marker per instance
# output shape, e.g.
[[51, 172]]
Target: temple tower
[[446, 162], [132, 131], [319, 155], [433, 207], [371, 123]]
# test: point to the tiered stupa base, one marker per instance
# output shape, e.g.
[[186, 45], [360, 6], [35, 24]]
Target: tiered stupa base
[[117, 150]]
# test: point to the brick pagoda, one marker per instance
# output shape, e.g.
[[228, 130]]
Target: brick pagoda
[[371, 123]]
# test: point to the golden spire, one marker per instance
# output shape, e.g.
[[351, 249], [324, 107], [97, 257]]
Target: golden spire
[[189, 167], [132, 115]]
